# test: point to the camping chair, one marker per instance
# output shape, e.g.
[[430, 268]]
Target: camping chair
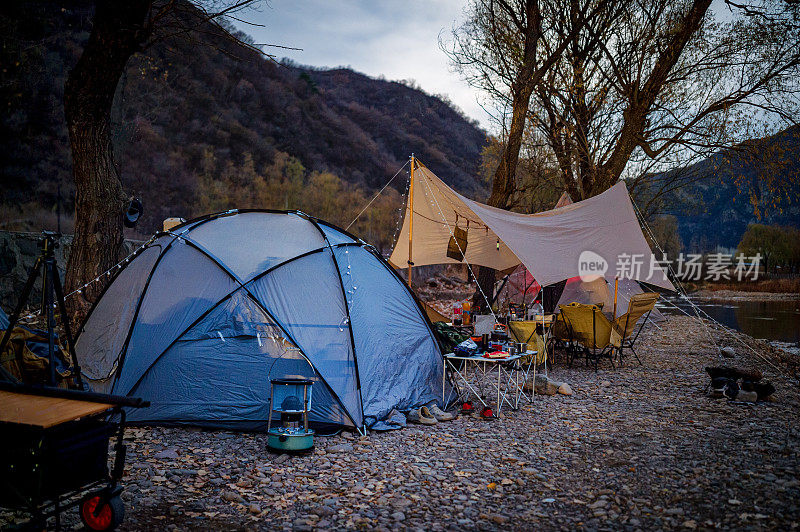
[[592, 329], [561, 336], [525, 331], [622, 335]]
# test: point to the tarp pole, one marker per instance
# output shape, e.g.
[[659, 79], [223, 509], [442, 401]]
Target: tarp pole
[[410, 220], [616, 288]]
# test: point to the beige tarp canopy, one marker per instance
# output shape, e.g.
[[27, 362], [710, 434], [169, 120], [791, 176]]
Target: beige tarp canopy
[[600, 235]]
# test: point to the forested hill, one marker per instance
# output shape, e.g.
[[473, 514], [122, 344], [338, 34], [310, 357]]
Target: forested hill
[[756, 182], [208, 125]]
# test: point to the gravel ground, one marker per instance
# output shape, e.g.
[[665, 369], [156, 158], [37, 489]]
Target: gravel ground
[[640, 447]]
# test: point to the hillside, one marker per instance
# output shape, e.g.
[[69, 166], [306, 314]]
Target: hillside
[[757, 182], [196, 124]]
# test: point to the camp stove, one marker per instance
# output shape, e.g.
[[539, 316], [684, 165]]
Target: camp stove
[[291, 398]]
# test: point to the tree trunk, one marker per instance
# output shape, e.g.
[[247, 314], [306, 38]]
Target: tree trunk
[[641, 100], [118, 32], [504, 182], [503, 185]]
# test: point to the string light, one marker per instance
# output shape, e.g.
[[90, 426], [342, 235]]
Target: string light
[[117, 266], [400, 216]]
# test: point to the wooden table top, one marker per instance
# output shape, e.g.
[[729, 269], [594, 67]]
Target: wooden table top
[[44, 412]]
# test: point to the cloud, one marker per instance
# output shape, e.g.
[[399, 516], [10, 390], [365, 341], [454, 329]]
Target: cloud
[[398, 40]]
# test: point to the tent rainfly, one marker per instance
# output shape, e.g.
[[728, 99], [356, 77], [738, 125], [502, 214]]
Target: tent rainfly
[[201, 320], [599, 236]]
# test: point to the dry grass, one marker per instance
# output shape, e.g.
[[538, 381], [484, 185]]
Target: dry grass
[[774, 286], [33, 217]]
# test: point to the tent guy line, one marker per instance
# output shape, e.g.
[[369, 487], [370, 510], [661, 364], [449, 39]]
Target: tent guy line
[[375, 197]]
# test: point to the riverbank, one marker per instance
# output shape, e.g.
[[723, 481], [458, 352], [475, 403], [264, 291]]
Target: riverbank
[[634, 448], [738, 295], [788, 285]]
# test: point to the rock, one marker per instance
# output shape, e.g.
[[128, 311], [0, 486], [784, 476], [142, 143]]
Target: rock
[[499, 519], [399, 516], [281, 458], [748, 397], [565, 389], [605, 384], [599, 503], [340, 448], [167, 454], [232, 496], [544, 386], [728, 352], [254, 509]]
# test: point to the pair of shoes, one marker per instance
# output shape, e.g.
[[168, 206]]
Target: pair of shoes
[[440, 414], [422, 416]]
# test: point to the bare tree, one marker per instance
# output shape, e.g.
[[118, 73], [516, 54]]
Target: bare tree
[[505, 48], [119, 30], [663, 85]]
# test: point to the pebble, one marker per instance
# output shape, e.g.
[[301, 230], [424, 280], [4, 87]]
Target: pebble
[[168, 454], [728, 352], [232, 496], [341, 448], [651, 451]]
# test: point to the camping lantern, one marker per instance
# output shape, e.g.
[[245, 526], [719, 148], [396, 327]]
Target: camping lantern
[[292, 399]]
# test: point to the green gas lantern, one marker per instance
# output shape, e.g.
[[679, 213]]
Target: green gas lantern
[[291, 399]]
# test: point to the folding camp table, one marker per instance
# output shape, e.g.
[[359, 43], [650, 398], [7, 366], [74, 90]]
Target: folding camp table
[[477, 376], [54, 453]]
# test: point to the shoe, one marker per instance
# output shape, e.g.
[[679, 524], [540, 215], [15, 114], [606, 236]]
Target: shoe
[[487, 413], [418, 416], [425, 412], [467, 408], [440, 414]]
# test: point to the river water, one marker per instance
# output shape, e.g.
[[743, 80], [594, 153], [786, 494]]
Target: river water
[[777, 321]]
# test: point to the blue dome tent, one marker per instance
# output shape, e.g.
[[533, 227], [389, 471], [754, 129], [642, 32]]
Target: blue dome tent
[[204, 315]]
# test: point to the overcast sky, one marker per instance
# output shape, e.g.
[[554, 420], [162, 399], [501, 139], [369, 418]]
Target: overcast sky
[[396, 39]]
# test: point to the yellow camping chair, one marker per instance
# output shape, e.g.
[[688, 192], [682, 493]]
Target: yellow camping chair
[[624, 327], [590, 328], [525, 331]]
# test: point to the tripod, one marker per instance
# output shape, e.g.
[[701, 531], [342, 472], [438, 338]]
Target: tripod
[[52, 295]]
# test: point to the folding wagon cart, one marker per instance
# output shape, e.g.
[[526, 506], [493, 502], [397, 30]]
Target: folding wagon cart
[[54, 454]]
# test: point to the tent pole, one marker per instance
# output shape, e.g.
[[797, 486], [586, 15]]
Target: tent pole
[[410, 219], [616, 288]]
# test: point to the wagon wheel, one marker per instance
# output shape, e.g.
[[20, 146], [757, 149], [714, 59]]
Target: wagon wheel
[[106, 517]]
